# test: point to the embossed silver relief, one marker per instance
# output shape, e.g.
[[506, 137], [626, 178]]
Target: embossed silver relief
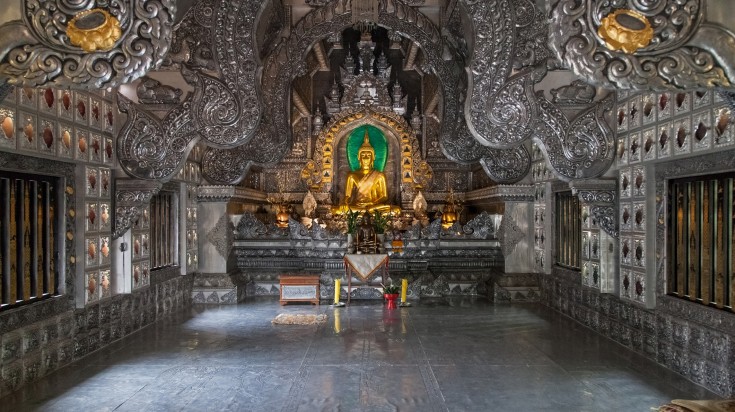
[[601, 196], [38, 51], [685, 52], [580, 148], [577, 93], [151, 91], [510, 235], [481, 227], [224, 112], [221, 236], [131, 196]]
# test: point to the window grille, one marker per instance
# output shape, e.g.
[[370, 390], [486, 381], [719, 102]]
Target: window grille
[[163, 230], [28, 205], [568, 239], [700, 239]]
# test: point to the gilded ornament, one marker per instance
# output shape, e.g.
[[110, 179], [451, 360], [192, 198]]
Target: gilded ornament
[[94, 30], [625, 30]]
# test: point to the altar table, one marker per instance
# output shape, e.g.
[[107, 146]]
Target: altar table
[[365, 266]]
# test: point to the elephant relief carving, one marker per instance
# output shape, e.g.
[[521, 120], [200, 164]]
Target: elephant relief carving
[[151, 91]]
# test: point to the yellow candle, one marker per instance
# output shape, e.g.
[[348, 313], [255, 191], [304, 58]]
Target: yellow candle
[[404, 288], [337, 289]]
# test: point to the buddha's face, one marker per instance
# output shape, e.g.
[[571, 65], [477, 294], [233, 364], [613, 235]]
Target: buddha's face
[[366, 160]]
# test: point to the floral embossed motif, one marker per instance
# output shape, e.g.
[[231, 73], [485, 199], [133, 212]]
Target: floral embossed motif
[[638, 287], [82, 109], [28, 132], [92, 179], [48, 136], [105, 215], [722, 122], [663, 101], [105, 249], [626, 282], [82, 144], [109, 118], [91, 285], [136, 247], [92, 251], [105, 181], [48, 97], [105, 282], [626, 216], [136, 274], [96, 112], [663, 139], [701, 132], [66, 139], [108, 149], [649, 144], [96, 146], [66, 101], [91, 215], [8, 127]]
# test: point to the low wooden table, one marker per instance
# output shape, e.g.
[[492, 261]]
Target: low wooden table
[[299, 288]]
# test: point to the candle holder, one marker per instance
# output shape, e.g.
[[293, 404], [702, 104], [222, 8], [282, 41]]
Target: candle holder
[[405, 305], [337, 305]]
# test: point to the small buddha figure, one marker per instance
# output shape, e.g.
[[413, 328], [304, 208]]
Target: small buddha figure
[[366, 188], [366, 238]]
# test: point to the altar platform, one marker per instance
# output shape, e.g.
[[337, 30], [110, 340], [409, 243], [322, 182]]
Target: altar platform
[[437, 261]]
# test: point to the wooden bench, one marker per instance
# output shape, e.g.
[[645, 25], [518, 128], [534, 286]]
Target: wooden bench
[[299, 288]]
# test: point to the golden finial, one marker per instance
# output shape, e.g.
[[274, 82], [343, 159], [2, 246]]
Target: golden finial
[[366, 146]]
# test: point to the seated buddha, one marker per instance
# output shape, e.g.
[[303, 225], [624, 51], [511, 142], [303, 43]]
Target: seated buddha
[[366, 188]]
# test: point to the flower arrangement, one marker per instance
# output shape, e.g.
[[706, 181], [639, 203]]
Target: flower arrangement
[[381, 221], [351, 220], [390, 289]]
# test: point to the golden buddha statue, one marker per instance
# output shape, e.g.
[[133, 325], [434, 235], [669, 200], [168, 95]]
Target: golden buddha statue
[[366, 188]]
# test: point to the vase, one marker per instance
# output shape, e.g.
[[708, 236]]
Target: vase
[[350, 243], [391, 298], [380, 240]]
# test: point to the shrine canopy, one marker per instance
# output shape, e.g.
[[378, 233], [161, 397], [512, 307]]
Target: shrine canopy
[[377, 140]]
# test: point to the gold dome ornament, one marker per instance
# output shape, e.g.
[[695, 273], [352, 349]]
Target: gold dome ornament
[[94, 30], [625, 30]]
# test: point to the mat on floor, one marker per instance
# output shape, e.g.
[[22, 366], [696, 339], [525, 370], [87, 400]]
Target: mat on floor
[[682, 405], [298, 319]]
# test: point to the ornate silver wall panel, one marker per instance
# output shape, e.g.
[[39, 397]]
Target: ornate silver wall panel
[[601, 196], [490, 64], [224, 111], [581, 148], [38, 50], [130, 198], [685, 52]]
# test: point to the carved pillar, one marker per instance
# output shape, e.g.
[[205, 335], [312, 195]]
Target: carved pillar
[[216, 207], [516, 228], [598, 201]]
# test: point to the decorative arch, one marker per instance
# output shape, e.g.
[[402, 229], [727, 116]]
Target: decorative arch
[[318, 173], [281, 67]]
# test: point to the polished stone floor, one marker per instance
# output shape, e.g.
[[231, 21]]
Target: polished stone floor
[[442, 355]]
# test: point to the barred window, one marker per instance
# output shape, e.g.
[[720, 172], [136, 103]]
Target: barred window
[[700, 239], [568, 239], [28, 249], [164, 224]]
